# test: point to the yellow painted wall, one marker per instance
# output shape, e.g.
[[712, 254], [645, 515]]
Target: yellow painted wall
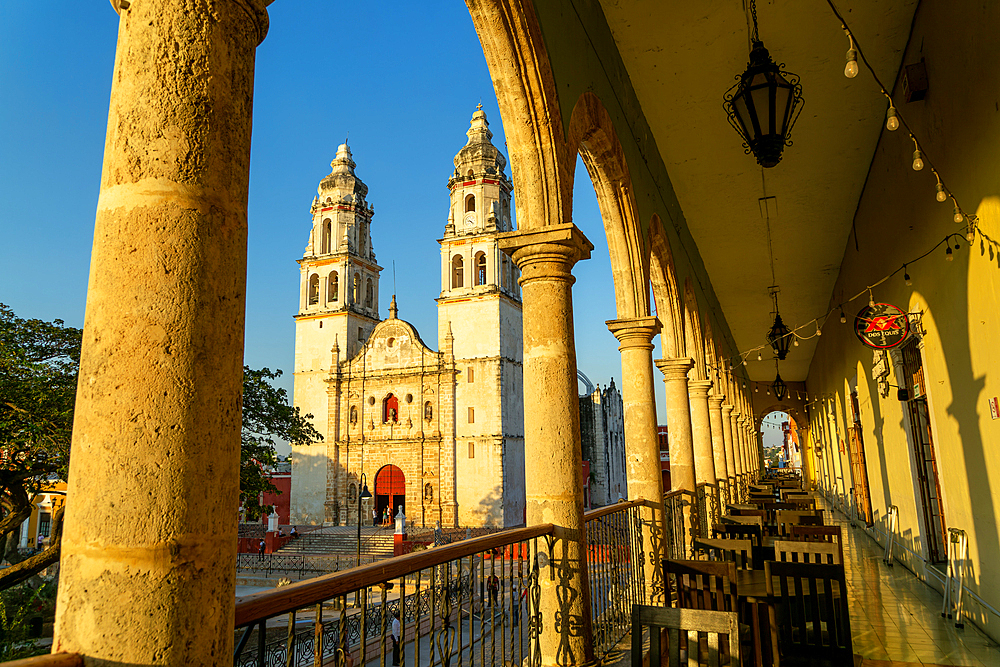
[[898, 219]]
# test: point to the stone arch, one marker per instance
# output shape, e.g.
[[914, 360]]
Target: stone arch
[[479, 278], [314, 289], [457, 272], [665, 292], [541, 163], [333, 287], [470, 203], [592, 135], [327, 236], [694, 339]]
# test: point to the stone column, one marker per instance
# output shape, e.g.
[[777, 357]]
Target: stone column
[[642, 446], [553, 487], [149, 548], [718, 438], [675, 380], [727, 435], [701, 431]]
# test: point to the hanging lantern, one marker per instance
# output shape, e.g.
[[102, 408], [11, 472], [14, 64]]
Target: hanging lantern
[[764, 103], [779, 387], [779, 337]]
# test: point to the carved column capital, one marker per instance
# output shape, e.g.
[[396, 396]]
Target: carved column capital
[[699, 388], [675, 369], [715, 402], [635, 332], [727, 409], [546, 253]]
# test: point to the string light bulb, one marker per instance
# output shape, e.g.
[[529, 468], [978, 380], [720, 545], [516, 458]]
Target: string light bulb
[[918, 160], [819, 332], [940, 194], [795, 341], [970, 234], [759, 357], [906, 277], [949, 256], [755, 389], [957, 217], [891, 119], [851, 68], [843, 317]]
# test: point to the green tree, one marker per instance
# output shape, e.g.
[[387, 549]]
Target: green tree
[[267, 416], [39, 362]]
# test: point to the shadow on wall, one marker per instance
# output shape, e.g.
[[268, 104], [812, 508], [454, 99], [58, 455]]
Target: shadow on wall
[[875, 401], [309, 482], [490, 509]]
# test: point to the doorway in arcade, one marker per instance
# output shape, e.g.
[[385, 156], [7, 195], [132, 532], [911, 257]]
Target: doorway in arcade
[[390, 490]]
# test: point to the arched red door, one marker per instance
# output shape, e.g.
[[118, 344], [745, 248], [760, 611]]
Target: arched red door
[[390, 490]]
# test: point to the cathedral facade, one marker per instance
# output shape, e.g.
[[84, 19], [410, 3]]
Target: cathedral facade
[[438, 434]]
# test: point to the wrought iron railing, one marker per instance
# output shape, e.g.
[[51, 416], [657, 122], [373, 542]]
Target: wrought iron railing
[[615, 565], [251, 530], [708, 508], [680, 513], [475, 600]]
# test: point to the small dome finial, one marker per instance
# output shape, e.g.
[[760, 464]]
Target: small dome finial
[[393, 310]]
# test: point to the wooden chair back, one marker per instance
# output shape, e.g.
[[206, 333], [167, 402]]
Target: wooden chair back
[[802, 503], [721, 628], [785, 519], [757, 520], [830, 534], [809, 614], [797, 551], [702, 584], [737, 552], [739, 531], [740, 506], [748, 512]]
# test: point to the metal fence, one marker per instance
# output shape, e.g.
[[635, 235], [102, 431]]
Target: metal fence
[[300, 564]]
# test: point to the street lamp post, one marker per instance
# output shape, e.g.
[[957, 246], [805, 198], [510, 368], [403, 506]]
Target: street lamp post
[[363, 494]]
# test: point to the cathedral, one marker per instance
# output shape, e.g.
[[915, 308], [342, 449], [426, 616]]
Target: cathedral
[[439, 434]]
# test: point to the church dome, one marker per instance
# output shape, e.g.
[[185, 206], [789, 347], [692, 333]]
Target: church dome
[[342, 184], [480, 155]]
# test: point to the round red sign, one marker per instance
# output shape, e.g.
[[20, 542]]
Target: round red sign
[[881, 326]]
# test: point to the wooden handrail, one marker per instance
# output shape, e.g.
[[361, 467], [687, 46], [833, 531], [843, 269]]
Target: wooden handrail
[[258, 606], [611, 509], [49, 660]]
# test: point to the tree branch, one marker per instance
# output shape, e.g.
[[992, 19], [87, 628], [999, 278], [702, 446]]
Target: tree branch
[[15, 574]]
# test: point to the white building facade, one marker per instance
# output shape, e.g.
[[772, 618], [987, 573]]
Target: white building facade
[[474, 434]]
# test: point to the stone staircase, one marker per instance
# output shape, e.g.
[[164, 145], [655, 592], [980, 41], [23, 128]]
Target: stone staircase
[[342, 541]]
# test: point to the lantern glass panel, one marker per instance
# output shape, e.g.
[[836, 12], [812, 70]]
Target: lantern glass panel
[[742, 117], [782, 103]]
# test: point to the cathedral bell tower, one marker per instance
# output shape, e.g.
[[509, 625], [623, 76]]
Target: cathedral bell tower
[[480, 304], [338, 301]]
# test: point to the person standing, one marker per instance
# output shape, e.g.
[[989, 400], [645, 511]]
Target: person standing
[[394, 634], [374, 517], [261, 548]]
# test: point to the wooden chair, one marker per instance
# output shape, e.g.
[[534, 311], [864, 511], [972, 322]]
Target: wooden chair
[[809, 617], [739, 531], [830, 534], [785, 519], [740, 506], [749, 512], [802, 503], [737, 552], [721, 627], [797, 551], [702, 584]]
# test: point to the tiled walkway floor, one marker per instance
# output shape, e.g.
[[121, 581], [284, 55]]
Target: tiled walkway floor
[[896, 617]]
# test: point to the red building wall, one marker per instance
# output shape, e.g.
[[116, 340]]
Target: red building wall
[[282, 501]]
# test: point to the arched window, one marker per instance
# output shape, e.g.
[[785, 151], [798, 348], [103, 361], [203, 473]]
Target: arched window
[[471, 174], [504, 269], [327, 234], [481, 268], [361, 240], [369, 294], [332, 287], [428, 411], [357, 288], [390, 409], [457, 272], [470, 203], [313, 289]]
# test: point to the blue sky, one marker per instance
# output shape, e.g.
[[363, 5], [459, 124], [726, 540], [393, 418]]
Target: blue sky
[[402, 78]]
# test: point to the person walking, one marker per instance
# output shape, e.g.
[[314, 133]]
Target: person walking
[[493, 587], [261, 548], [374, 517]]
